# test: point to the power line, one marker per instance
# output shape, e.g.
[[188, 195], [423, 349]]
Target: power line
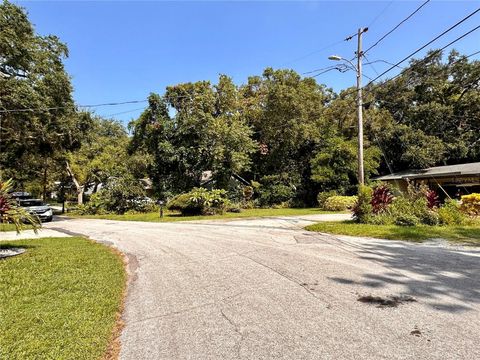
[[331, 67], [325, 71], [424, 59], [380, 14], [66, 107], [124, 112], [406, 70], [384, 61], [314, 52], [397, 26], [370, 63], [431, 41]]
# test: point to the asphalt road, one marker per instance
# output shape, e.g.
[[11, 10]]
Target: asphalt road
[[266, 289]]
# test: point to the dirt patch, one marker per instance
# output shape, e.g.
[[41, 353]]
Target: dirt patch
[[114, 346], [388, 301]]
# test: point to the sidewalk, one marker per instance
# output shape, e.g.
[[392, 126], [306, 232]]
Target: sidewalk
[[30, 234]]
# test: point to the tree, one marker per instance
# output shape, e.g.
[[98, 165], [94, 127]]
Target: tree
[[229, 138], [206, 132], [286, 113], [101, 156], [39, 119], [335, 166], [435, 116]]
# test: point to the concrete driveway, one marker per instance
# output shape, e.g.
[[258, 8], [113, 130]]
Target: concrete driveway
[[266, 289]]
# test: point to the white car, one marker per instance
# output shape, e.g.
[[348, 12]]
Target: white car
[[37, 207]]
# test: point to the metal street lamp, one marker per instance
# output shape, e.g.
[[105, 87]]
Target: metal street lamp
[[339, 58], [358, 70]]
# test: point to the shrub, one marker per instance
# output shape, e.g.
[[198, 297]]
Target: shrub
[[248, 193], [120, 195], [340, 203], [200, 201], [182, 203], [450, 213], [471, 204], [431, 218], [382, 197], [323, 196], [363, 210], [248, 205], [234, 209], [432, 199], [381, 219], [94, 206], [405, 209], [275, 190], [406, 220]]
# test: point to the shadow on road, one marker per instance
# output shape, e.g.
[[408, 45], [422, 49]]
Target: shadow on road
[[427, 273]]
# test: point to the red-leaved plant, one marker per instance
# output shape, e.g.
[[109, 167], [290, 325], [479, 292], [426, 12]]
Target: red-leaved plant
[[381, 198], [432, 199]]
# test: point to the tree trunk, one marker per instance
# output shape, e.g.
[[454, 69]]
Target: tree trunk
[[80, 195], [44, 194], [79, 187]]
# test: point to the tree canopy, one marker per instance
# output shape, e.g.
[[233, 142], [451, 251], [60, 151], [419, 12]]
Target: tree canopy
[[38, 118], [288, 135]]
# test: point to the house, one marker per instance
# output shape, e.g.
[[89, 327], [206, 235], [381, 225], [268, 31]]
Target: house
[[207, 180], [450, 180]]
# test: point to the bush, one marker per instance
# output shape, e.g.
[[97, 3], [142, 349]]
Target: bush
[[430, 218], [248, 192], [406, 220], [381, 219], [340, 203], [119, 196], [234, 209], [323, 196], [363, 210], [450, 213], [432, 199], [471, 204], [275, 194], [200, 201], [248, 205], [382, 197], [181, 203]]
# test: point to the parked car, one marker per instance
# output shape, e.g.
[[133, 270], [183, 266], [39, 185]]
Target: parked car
[[37, 207], [21, 195]]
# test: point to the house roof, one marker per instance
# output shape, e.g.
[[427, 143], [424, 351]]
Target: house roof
[[207, 177], [472, 169]]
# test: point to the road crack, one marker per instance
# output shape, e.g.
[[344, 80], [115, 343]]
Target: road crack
[[237, 330], [290, 279], [182, 311]]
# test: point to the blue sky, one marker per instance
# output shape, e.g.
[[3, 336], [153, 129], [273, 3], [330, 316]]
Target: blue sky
[[121, 51]]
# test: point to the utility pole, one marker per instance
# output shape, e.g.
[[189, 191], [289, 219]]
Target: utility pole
[[358, 70], [361, 179]]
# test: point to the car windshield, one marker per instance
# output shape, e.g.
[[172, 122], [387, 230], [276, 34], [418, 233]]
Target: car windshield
[[27, 203]]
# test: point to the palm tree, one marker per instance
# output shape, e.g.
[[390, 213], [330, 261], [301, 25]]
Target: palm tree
[[10, 212]]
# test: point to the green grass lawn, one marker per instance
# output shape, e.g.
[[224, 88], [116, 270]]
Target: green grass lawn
[[60, 299], [468, 234], [11, 227], [174, 216]]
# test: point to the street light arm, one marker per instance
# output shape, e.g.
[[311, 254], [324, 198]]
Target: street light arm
[[341, 58]]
